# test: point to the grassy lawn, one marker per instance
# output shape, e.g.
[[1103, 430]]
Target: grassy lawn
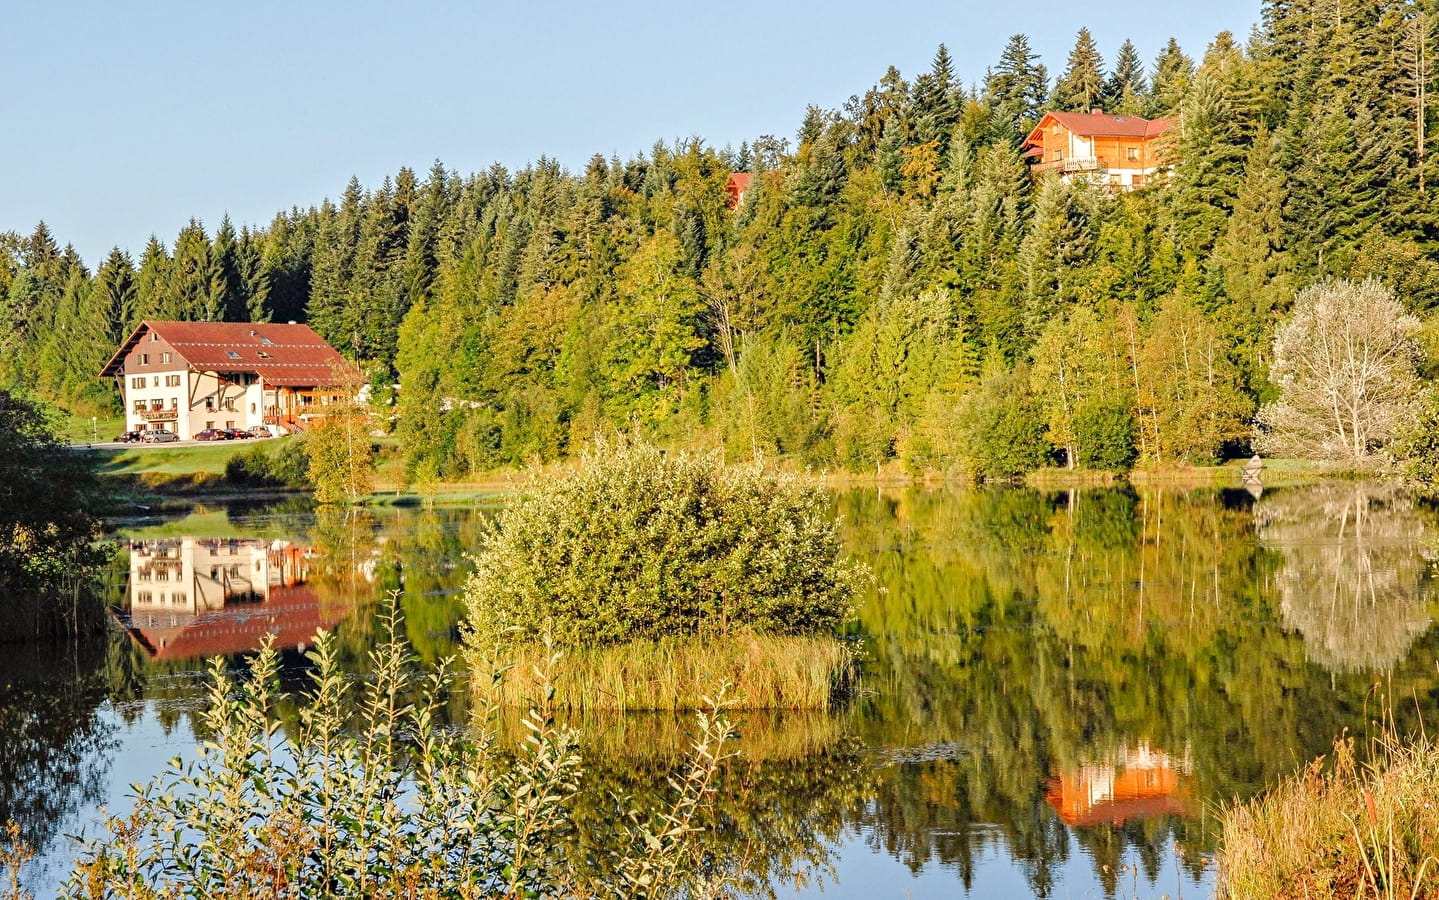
[[167, 459], [78, 429]]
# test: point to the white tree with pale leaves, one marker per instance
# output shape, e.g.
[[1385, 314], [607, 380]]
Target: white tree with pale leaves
[[1345, 364]]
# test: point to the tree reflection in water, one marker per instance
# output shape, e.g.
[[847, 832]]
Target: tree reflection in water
[[1357, 573]]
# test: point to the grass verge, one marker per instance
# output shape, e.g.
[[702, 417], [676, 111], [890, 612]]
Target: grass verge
[[764, 672], [1341, 828]]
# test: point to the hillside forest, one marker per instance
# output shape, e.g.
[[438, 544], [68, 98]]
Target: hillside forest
[[895, 287]]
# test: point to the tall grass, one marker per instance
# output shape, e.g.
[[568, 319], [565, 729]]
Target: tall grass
[[764, 672], [1341, 828]]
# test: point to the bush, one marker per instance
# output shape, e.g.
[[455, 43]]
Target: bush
[[1001, 431], [382, 799], [637, 544], [286, 465], [1104, 432]]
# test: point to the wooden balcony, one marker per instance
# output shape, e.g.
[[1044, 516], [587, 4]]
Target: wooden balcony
[[1073, 165]]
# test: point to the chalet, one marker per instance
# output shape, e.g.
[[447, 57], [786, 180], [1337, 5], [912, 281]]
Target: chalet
[[1123, 152], [188, 376]]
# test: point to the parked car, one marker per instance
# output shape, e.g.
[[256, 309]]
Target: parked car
[[158, 436], [212, 434], [128, 437], [238, 434], [261, 431]]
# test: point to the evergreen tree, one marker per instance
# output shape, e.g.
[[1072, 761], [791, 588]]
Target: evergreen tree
[[1126, 90], [1016, 89], [1081, 87], [1172, 73]]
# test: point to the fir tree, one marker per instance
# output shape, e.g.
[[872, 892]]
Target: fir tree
[[1081, 87]]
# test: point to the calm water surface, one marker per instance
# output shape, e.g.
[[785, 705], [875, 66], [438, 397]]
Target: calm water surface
[[1060, 686]]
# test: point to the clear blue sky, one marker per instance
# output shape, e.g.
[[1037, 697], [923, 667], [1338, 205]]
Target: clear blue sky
[[120, 119]]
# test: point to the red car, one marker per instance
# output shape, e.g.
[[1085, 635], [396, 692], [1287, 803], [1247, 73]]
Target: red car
[[213, 434]]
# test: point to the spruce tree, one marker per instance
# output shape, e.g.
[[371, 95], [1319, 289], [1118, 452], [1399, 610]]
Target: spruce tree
[[1126, 90], [1172, 73], [1081, 87], [1016, 89]]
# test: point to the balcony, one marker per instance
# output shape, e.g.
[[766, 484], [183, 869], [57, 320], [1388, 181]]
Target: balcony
[[1074, 165]]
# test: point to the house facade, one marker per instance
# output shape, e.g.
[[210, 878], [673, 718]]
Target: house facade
[[188, 376], [1123, 152]]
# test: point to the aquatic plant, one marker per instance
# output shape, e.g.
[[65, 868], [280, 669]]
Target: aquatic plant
[[373, 794], [1341, 827]]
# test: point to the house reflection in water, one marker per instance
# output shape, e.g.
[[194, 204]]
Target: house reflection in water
[[192, 597], [1138, 784]]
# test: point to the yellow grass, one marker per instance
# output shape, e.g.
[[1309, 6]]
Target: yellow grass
[[1341, 828], [763, 672]]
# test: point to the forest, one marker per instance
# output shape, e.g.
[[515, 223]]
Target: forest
[[894, 289]]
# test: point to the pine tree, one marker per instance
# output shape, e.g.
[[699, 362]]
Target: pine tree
[[227, 287], [152, 281], [1126, 91], [1016, 89], [1081, 87], [936, 103], [1172, 73]]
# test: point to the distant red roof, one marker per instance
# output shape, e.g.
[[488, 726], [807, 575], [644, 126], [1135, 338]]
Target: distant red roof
[[1099, 124], [293, 355], [735, 188]]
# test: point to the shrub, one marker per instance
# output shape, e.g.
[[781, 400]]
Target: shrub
[[637, 544], [380, 799], [286, 464], [1104, 432]]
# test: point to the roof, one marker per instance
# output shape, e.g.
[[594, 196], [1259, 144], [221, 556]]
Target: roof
[[291, 614], [1099, 124], [739, 181], [294, 355]]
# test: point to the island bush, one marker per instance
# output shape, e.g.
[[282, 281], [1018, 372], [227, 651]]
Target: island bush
[[679, 554]]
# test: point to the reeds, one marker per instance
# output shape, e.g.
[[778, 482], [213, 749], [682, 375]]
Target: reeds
[[764, 672], [1341, 828]]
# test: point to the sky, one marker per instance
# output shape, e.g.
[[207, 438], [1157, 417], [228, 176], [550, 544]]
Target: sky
[[122, 119]]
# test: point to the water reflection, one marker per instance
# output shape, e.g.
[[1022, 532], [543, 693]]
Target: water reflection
[[1357, 574], [1059, 685]]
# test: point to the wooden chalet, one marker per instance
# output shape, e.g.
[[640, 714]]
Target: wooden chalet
[[1123, 152]]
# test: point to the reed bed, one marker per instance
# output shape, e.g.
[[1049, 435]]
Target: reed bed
[[762, 672], [1341, 828]]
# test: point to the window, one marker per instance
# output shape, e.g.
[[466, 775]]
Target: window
[[144, 359], [233, 354], [252, 409], [139, 406], [264, 355], [156, 381], [266, 341], [230, 423], [230, 405], [210, 424], [137, 382], [1131, 153], [164, 357], [154, 336], [174, 403], [172, 381], [156, 405]]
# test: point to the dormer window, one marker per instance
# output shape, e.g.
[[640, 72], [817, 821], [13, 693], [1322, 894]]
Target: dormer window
[[265, 340], [233, 354], [264, 355]]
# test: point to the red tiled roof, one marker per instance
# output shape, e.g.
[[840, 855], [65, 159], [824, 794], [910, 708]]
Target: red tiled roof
[[296, 355], [1093, 124], [292, 614]]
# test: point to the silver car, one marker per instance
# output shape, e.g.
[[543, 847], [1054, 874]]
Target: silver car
[[159, 436]]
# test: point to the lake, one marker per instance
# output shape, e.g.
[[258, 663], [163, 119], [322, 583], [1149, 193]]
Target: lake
[[1060, 687]]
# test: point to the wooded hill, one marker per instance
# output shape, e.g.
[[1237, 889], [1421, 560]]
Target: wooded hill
[[894, 285]]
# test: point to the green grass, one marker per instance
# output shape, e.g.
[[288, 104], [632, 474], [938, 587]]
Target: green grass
[[74, 428], [168, 459]]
